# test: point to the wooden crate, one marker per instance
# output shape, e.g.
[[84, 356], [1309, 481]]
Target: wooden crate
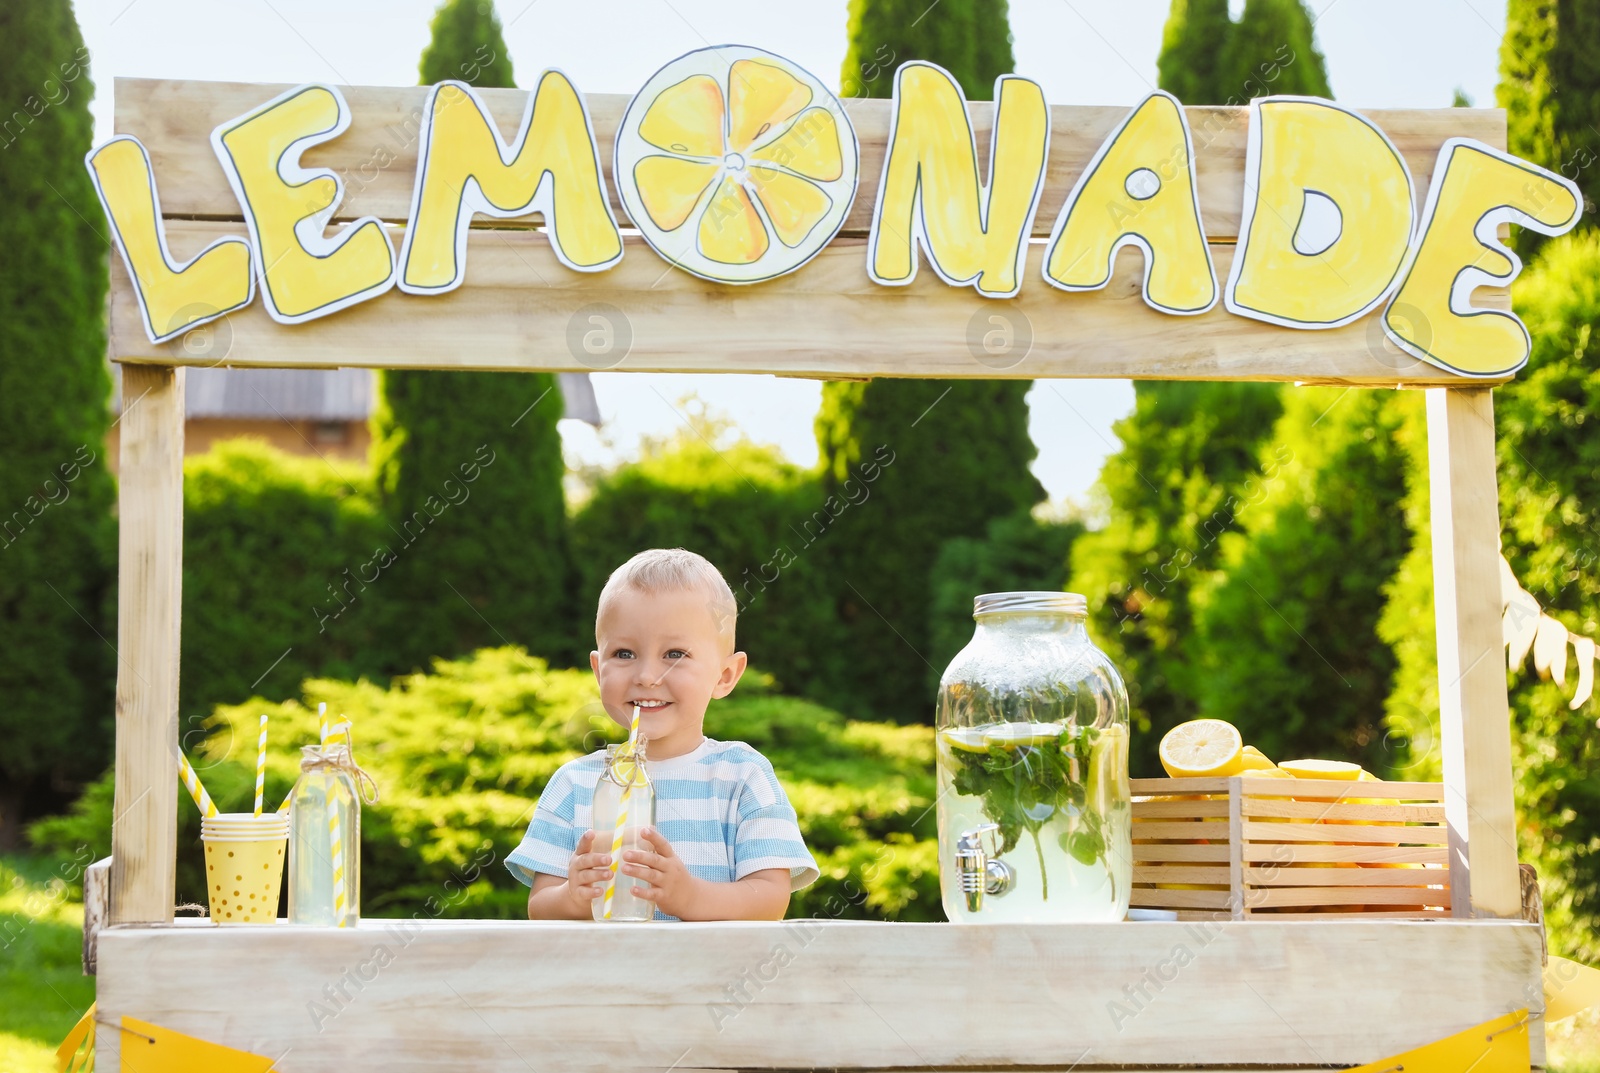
[[1251, 847]]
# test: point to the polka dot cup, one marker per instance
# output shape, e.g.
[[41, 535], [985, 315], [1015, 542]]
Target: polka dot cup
[[244, 866]]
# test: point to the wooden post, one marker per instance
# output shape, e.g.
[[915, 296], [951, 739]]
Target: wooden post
[[149, 604], [1474, 718]]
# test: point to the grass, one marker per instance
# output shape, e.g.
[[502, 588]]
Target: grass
[[43, 991]]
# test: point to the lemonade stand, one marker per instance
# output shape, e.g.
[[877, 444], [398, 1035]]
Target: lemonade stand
[[735, 216]]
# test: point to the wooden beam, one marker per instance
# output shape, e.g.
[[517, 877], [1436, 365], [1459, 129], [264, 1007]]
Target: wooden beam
[[520, 309], [504, 996], [144, 826], [377, 156], [1474, 718]]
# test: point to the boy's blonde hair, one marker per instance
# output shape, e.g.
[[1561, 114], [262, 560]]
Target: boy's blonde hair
[[674, 570]]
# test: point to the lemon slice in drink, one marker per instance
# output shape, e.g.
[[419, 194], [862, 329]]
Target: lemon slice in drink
[[1013, 735], [1323, 769], [967, 739], [1201, 748]]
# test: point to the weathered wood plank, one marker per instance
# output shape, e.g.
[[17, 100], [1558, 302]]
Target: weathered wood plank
[[144, 825], [520, 309], [1474, 715], [494, 996], [377, 156], [96, 909]]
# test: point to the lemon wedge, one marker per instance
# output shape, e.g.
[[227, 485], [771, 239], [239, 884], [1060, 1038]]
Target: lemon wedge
[[1013, 735], [1323, 769], [1253, 759], [1201, 748]]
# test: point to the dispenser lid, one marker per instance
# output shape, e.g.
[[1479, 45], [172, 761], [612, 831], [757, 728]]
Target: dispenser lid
[[1034, 602]]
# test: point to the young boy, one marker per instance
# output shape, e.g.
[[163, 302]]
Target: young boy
[[725, 845]]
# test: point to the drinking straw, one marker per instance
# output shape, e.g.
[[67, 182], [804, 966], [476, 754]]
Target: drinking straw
[[338, 733], [336, 851], [261, 764], [622, 816], [322, 723], [191, 782]]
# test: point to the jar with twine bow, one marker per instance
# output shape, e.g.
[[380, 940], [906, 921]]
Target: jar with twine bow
[[325, 832]]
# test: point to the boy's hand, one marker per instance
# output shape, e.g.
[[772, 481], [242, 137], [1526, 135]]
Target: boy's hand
[[671, 887], [587, 873]]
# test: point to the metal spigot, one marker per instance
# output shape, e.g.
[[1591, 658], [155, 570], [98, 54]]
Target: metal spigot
[[982, 872]]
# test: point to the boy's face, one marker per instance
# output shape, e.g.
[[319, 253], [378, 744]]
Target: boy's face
[[662, 651]]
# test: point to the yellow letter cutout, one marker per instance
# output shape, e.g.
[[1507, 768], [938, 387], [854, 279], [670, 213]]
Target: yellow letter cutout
[[172, 298], [1139, 190], [1328, 216], [1475, 189], [304, 273], [463, 167], [930, 191]]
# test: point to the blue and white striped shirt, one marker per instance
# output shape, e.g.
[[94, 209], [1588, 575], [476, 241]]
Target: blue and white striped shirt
[[721, 806]]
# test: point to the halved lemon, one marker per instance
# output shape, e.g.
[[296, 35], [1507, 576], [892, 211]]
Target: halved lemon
[[736, 164], [1013, 735], [1322, 769], [1253, 759], [1201, 748]]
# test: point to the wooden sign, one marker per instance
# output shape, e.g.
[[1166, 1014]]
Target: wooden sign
[[735, 215]]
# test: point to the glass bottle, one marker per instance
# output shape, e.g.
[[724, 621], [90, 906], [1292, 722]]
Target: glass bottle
[[325, 840], [625, 785], [1035, 817]]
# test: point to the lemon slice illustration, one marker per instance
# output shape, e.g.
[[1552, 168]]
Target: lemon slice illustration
[[735, 164]]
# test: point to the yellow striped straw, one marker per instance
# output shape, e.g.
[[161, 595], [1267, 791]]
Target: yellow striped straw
[[336, 851], [338, 733], [322, 723], [191, 782], [261, 764], [622, 818]]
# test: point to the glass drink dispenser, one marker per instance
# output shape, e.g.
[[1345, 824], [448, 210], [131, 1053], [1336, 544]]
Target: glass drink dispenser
[[1034, 812]]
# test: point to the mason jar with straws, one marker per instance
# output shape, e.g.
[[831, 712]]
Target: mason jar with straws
[[624, 804], [325, 832]]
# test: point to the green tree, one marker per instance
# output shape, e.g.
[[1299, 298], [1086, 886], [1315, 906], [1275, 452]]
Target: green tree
[[1272, 50], [1550, 89], [1190, 452], [1287, 627], [1192, 48], [57, 536], [495, 567], [960, 448]]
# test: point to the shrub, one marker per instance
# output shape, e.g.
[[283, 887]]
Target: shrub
[[461, 754]]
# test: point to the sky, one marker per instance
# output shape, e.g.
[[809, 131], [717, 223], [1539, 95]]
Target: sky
[[1380, 53]]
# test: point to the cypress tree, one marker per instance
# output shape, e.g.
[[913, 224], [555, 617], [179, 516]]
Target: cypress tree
[[494, 567], [1272, 50], [57, 536], [960, 448], [1192, 47], [1550, 89]]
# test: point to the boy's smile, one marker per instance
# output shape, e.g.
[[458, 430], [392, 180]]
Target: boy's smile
[[663, 652]]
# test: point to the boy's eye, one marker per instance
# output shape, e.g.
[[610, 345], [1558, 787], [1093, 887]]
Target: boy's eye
[[677, 653], [622, 653]]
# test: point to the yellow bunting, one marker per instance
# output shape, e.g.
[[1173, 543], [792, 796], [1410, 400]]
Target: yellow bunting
[[1569, 988], [148, 1048], [1498, 1046], [173, 297], [1326, 231], [304, 273], [931, 193], [1475, 189], [1139, 190], [552, 167], [76, 1053]]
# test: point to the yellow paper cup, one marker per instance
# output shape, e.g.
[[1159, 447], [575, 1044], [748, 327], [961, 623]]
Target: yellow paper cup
[[244, 866]]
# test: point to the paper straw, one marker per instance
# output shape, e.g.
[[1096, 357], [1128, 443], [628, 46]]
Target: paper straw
[[338, 734], [191, 782], [322, 723], [261, 764], [336, 851], [622, 817]]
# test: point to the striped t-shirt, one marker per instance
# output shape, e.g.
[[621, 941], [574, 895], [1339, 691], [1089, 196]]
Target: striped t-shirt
[[720, 806]]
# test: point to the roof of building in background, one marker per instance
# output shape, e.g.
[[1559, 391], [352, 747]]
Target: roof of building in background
[[319, 394]]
